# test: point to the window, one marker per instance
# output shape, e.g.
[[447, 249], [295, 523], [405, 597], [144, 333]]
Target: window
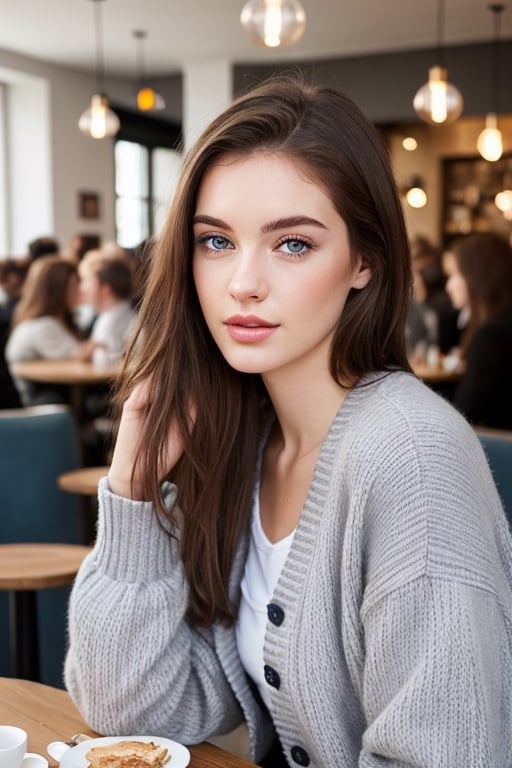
[[132, 193], [4, 245], [147, 166]]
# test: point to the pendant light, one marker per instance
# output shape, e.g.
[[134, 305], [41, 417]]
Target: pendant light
[[274, 23], [489, 143], [148, 100], [438, 101], [415, 194], [99, 120]]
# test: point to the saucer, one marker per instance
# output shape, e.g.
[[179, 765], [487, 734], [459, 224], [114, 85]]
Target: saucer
[[31, 760]]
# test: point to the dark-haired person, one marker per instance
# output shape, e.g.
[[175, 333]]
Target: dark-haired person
[[294, 531], [481, 285], [43, 246]]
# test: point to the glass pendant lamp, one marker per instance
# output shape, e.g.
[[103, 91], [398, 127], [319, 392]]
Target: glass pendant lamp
[[274, 23], [98, 120], [490, 142], [438, 101]]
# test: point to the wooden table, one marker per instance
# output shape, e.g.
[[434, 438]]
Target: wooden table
[[74, 373], [435, 374], [25, 568], [84, 481], [48, 714]]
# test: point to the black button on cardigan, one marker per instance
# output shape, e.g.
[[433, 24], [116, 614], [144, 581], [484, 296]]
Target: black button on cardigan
[[271, 676], [275, 614], [300, 756]]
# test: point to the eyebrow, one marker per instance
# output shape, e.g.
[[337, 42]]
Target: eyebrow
[[272, 226]]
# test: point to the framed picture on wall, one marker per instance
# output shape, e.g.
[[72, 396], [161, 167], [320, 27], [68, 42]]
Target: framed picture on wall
[[89, 205]]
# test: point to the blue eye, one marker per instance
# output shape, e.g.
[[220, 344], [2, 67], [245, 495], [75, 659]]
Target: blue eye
[[214, 242], [217, 242], [295, 246]]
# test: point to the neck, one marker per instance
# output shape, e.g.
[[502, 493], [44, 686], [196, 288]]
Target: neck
[[305, 409]]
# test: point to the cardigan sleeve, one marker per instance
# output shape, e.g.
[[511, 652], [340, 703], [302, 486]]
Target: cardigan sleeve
[[437, 684], [134, 663]]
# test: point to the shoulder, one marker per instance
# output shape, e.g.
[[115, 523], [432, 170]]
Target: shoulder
[[396, 410], [426, 498], [411, 434]]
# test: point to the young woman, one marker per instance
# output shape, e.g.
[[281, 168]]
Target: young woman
[[294, 531], [481, 284], [43, 324]]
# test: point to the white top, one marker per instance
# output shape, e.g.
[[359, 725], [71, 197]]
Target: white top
[[262, 570], [38, 338], [112, 329]]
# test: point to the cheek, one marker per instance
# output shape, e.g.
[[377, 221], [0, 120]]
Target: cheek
[[204, 281], [324, 292]]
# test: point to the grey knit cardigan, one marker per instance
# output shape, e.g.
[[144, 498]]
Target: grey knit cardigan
[[389, 639]]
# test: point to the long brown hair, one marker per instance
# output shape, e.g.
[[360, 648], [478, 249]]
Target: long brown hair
[[328, 134], [45, 292], [484, 260]]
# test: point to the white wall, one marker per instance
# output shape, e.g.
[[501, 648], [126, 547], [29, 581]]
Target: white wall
[[28, 167], [49, 160]]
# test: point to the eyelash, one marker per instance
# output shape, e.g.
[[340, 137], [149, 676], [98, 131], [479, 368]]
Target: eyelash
[[307, 244], [296, 239]]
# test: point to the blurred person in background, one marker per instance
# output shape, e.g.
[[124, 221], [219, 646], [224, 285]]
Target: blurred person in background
[[106, 283], [43, 324], [432, 320], [480, 287], [79, 245], [12, 276], [106, 286], [43, 246]]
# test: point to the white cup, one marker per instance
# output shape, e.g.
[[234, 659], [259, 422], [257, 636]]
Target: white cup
[[13, 746]]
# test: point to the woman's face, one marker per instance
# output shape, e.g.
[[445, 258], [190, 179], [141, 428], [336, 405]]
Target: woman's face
[[456, 285], [89, 285], [272, 264], [72, 292]]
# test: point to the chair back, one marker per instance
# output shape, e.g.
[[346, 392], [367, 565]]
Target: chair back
[[36, 445], [497, 445]]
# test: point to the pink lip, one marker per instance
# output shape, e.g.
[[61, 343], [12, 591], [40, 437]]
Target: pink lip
[[249, 328]]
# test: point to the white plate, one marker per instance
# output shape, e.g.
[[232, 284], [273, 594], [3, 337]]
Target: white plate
[[75, 757]]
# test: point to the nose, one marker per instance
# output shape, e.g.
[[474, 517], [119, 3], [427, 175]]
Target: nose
[[248, 281]]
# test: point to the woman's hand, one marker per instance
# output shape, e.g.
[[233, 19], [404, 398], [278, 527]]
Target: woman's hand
[[124, 456]]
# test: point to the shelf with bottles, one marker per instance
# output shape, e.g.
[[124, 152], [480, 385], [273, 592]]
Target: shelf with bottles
[[470, 203]]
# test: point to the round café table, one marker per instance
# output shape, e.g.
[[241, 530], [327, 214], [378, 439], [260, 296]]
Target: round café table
[[84, 480], [74, 373], [24, 569]]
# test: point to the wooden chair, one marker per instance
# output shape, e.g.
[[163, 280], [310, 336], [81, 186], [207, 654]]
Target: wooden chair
[[36, 446], [497, 445]]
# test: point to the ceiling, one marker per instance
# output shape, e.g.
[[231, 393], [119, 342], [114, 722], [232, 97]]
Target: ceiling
[[62, 31]]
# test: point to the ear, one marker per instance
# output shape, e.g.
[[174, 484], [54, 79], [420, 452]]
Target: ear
[[362, 276]]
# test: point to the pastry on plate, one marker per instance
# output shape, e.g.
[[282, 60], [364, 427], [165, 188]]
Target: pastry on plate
[[128, 754]]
